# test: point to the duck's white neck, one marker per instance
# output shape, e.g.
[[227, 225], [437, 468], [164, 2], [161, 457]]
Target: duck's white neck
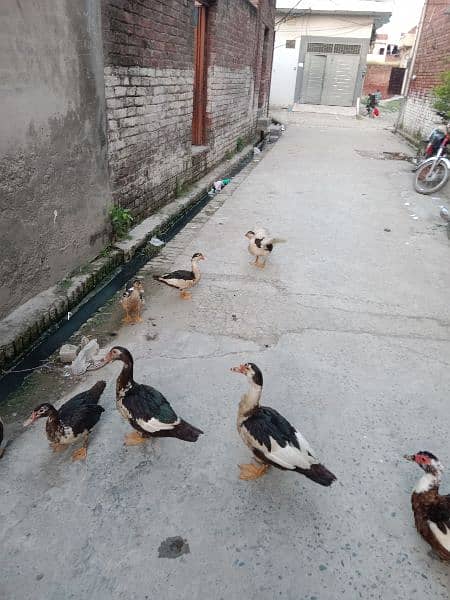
[[196, 269], [251, 399], [427, 482]]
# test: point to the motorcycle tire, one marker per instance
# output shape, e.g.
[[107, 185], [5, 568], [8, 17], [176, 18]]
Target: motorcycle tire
[[440, 177]]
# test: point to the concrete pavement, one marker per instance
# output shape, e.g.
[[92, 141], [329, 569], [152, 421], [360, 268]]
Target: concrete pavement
[[350, 326]]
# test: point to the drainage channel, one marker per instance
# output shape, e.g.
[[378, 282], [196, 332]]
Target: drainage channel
[[61, 331]]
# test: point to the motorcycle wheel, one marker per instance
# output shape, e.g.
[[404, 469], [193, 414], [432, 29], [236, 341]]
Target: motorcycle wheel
[[438, 179]]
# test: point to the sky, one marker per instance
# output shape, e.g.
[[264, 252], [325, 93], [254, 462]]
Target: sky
[[405, 14]]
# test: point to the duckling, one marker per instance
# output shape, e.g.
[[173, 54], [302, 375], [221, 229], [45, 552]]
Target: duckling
[[271, 438], [431, 510], [73, 421], [145, 409], [261, 244], [183, 280], [133, 301]]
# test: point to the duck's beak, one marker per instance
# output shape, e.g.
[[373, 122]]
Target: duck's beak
[[410, 457], [31, 419], [202, 257], [240, 369]]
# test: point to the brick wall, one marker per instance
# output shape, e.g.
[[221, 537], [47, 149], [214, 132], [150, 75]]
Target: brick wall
[[149, 78], [377, 78], [431, 61]]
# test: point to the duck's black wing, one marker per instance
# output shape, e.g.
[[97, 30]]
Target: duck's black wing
[[278, 443], [83, 417], [181, 274], [439, 513], [90, 396], [265, 423], [148, 405]]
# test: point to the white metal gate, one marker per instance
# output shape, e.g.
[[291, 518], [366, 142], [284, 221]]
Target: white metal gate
[[330, 73]]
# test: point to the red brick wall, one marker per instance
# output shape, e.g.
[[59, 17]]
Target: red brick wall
[[148, 33], [434, 47], [377, 78], [149, 52]]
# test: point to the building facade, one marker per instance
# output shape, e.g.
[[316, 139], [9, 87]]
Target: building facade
[[184, 81], [320, 51], [429, 61], [116, 102]]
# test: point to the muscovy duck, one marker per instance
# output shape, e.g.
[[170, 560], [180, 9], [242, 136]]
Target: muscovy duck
[[183, 280], [73, 421], [431, 510], [271, 438], [133, 301], [145, 409], [261, 245]]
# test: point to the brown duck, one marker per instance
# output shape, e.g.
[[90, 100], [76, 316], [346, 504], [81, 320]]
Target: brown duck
[[73, 421], [431, 510], [145, 409], [132, 301]]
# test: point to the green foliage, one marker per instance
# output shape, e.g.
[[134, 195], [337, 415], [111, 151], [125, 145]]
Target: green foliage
[[442, 96], [240, 143], [121, 220], [65, 283], [229, 155]]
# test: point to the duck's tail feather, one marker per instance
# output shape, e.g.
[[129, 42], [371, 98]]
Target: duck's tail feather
[[187, 432], [95, 392], [319, 474]]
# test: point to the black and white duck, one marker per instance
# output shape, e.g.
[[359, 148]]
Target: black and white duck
[[183, 280], [431, 510], [144, 407], [73, 421], [261, 245], [271, 438]]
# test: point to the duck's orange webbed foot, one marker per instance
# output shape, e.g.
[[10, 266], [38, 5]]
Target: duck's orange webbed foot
[[58, 447], [134, 439], [251, 471], [185, 295], [80, 454]]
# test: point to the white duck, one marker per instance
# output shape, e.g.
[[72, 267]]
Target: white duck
[[261, 245]]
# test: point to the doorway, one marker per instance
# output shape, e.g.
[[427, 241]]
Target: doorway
[[199, 106]]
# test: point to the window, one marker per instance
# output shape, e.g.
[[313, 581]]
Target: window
[[290, 43], [199, 108], [347, 49], [381, 51]]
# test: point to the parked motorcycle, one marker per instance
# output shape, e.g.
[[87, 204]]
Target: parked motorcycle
[[428, 147], [433, 172]]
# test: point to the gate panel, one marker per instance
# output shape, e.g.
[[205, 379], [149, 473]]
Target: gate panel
[[340, 79], [313, 78]]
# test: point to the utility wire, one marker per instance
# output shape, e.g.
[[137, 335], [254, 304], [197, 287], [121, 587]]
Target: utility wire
[[287, 15]]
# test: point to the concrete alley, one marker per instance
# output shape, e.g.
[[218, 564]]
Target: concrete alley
[[349, 323]]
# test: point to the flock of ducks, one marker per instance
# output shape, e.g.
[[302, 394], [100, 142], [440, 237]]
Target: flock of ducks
[[273, 441]]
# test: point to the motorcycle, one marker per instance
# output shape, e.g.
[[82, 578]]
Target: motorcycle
[[432, 173]]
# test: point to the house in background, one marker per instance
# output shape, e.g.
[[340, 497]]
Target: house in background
[[387, 64], [321, 48], [429, 60]]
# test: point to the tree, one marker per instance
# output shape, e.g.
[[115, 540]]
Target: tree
[[442, 96]]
